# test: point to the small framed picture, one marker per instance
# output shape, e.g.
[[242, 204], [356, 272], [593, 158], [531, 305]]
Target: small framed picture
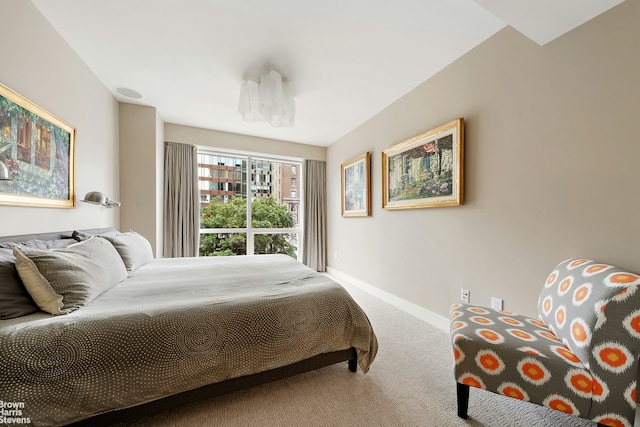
[[356, 186]]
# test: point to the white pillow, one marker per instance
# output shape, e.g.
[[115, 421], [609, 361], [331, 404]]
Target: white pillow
[[134, 249], [65, 279]]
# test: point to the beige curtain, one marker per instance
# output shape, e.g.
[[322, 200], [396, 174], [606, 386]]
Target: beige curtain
[[314, 252], [181, 200]]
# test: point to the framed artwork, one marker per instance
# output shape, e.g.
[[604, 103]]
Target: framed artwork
[[356, 186], [425, 171], [38, 150]]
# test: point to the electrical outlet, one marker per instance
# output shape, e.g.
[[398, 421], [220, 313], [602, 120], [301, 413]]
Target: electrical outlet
[[464, 295], [496, 303]]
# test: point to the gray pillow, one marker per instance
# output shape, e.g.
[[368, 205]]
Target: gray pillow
[[134, 249], [14, 298], [80, 236], [40, 244], [65, 279]]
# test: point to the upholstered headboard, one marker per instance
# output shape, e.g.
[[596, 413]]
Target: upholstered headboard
[[51, 235]]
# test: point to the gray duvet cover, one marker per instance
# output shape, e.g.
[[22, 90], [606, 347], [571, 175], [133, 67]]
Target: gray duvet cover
[[175, 324]]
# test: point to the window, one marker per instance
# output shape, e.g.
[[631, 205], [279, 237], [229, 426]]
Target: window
[[251, 207]]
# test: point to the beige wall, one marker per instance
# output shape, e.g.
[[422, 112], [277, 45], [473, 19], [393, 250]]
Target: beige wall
[[552, 170], [38, 64], [159, 175], [141, 172], [232, 141]]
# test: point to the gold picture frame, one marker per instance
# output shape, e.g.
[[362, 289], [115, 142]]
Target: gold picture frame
[[356, 186], [425, 171], [38, 150]]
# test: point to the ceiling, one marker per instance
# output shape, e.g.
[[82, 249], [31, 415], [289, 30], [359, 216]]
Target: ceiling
[[346, 59]]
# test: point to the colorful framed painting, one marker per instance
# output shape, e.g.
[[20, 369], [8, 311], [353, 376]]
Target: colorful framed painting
[[356, 186], [425, 171], [38, 150]]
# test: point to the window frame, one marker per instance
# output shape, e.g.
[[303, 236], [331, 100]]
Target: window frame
[[250, 230]]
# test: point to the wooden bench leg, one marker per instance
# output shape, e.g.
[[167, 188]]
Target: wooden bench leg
[[353, 365], [463, 399]]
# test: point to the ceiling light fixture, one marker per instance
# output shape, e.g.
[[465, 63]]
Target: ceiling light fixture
[[269, 101]]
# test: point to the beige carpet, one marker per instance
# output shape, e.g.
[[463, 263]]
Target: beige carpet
[[410, 384]]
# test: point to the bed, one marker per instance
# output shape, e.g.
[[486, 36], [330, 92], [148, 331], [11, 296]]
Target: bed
[[173, 330]]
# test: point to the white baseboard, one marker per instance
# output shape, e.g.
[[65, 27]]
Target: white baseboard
[[421, 313]]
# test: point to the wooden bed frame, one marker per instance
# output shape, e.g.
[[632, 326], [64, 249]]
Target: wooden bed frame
[[205, 392]]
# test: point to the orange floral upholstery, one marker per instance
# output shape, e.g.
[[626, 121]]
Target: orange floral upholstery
[[579, 357]]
